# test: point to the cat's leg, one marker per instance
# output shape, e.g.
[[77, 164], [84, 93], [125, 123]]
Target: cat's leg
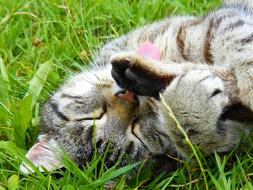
[[232, 47], [147, 76], [247, 3], [201, 105], [197, 96], [242, 64]]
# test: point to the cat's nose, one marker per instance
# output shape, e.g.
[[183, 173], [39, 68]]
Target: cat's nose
[[127, 95]]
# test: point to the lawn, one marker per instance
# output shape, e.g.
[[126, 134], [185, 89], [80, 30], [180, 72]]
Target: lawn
[[44, 42]]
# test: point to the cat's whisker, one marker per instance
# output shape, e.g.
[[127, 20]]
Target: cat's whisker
[[86, 79]]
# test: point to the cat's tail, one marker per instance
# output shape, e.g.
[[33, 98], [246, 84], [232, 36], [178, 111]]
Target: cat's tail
[[246, 3]]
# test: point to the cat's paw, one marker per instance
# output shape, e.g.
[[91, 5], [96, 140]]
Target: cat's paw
[[139, 74]]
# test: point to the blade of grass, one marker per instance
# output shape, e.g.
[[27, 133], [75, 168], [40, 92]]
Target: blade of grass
[[23, 114], [112, 173], [3, 70], [37, 82], [13, 182], [8, 17], [248, 185], [186, 138], [5, 85], [21, 120]]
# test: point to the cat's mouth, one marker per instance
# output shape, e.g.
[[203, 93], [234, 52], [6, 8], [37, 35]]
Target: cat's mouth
[[128, 96]]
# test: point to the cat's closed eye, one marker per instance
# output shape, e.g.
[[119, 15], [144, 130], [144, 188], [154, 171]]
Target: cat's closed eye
[[97, 114]]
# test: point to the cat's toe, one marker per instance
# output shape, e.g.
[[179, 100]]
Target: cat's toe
[[119, 67]]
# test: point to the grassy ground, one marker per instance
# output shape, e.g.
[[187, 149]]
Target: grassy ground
[[41, 42]]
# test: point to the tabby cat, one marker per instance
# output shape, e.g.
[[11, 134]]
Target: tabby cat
[[205, 74]]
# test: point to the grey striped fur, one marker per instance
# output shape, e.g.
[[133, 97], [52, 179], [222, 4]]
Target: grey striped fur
[[211, 59]]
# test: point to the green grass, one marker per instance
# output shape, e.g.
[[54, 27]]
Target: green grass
[[41, 43]]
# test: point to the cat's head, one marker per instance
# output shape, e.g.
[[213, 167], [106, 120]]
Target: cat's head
[[91, 113]]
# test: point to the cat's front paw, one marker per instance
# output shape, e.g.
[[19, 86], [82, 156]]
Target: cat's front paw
[[139, 74]]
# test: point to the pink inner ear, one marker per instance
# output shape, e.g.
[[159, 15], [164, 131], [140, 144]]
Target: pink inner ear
[[36, 151], [44, 154], [147, 49]]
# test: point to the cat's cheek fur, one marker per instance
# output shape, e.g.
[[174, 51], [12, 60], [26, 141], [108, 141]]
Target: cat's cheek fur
[[45, 155]]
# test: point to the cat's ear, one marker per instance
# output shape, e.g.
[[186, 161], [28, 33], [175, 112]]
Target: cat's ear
[[45, 155]]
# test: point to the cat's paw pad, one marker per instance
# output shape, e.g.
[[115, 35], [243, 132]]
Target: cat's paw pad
[[138, 74]]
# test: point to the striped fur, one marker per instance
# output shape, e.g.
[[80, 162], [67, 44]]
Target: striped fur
[[205, 74]]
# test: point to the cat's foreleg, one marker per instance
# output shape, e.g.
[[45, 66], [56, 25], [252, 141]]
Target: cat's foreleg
[[242, 65], [146, 76], [199, 101]]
